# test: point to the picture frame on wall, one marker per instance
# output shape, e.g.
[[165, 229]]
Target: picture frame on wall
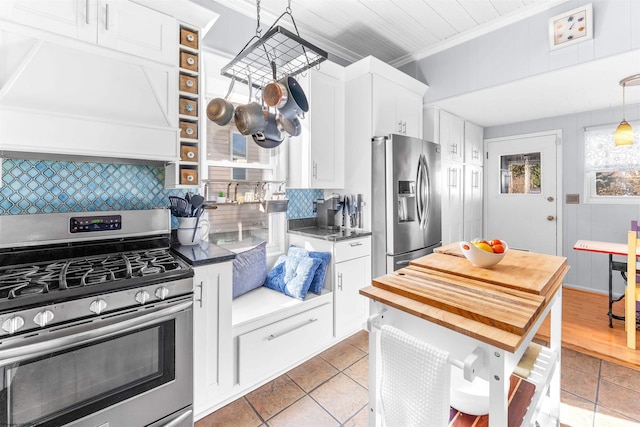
[[572, 27], [239, 154]]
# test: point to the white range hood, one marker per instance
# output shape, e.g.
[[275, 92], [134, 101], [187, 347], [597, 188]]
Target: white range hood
[[68, 98]]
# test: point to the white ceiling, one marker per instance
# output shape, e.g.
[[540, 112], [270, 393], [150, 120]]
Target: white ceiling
[[394, 31], [401, 31]]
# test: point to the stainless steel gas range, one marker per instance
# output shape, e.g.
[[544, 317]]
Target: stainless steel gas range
[[95, 321]]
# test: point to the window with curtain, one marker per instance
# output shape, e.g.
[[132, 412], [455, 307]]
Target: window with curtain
[[612, 173]]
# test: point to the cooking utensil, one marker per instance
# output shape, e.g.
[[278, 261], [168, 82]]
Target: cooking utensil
[[178, 206], [196, 203], [220, 110], [197, 214], [275, 94], [297, 103], [291, 126], [249, 118]]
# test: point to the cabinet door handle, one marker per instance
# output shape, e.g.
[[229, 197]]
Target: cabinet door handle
[[106, 19], [475, 181], [315, 170], [340, 281], [86, 11], [355, 244], [274, 336], [201, 293], [404, 128]]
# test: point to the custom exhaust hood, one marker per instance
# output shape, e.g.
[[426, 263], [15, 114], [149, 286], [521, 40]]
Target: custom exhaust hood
[[63, 99]]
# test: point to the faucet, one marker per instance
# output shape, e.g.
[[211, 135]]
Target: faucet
[[235, 192]]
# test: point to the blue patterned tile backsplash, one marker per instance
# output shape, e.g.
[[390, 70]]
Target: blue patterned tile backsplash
[[301, 203], [43, 186]]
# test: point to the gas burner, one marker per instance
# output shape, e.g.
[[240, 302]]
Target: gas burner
[[30, 289]]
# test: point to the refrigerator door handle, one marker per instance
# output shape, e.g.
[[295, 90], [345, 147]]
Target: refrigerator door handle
[[426, 192], [421, 191], [419, 200]]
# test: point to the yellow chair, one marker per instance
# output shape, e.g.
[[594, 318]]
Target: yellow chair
[[632, 294]]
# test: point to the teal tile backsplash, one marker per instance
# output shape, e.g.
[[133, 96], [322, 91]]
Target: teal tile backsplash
[[43, 186], [301, 203]]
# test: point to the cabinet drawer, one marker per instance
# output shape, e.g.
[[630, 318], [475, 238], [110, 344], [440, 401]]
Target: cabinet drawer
[[188, 107], [188, 83], [189, 61], [188, 38], [188, 130], [351, 249], [188, 176], [267, 350], [188, 153]]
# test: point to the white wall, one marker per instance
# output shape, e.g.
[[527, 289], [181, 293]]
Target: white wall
[[605, 222], [521, 50]]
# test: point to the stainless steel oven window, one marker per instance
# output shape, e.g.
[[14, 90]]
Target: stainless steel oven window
[[64, 386]]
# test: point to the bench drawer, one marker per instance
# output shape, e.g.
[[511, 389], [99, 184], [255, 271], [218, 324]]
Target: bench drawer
[[265, 351]]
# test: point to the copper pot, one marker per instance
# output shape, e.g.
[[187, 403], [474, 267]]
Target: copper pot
[[220, 110]]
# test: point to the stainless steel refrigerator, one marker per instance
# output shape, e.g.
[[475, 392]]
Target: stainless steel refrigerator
[[405, 211]]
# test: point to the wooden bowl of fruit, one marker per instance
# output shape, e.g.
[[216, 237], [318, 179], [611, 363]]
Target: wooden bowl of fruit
[[484, 253]]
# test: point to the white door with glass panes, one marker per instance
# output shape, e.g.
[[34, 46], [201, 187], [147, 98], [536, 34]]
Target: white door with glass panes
[[521, 192]]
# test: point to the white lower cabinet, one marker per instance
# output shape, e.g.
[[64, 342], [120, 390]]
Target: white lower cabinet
[[472, 203], [212, 352], [452, 202], [350, 307], [348, 272]]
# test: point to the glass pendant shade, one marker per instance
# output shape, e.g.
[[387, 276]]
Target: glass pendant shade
[[623, 134]]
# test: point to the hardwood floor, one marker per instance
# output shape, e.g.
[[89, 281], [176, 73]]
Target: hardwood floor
[[585, 328]]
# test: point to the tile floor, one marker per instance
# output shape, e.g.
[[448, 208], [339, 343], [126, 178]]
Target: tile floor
[[331, 390]]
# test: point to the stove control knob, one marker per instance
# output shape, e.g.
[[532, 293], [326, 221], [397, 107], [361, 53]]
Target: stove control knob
[[12, 324], [162, 292], [142, 297], [43, 318], [98, 306]]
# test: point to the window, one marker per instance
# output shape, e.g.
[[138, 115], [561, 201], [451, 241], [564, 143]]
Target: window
[[520, 174], [611, 172], [239, 155]]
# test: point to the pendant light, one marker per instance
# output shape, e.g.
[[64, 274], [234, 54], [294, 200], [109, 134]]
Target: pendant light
[[624, 133]]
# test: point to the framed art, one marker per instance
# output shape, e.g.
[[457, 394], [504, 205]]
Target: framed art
[[569, 28]]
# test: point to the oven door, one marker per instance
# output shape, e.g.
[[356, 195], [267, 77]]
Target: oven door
[[127, 369]]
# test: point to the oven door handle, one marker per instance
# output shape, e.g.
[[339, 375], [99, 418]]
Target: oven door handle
[[85, 333]]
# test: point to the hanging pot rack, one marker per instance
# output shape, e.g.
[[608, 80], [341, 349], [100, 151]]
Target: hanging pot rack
[[290, 53]]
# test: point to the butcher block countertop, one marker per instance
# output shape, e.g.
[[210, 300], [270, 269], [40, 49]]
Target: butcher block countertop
[[497, 305]]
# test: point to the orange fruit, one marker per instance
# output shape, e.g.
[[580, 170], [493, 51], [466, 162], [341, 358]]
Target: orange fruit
[[498, 249], [495, 242]]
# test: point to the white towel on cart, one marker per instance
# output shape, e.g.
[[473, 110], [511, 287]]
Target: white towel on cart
[[415, 381]]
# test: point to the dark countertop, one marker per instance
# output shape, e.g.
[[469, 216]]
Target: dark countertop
[[203, 254], [309, 227]]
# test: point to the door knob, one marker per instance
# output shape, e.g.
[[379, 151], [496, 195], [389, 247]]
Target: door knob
[[550, 199], [550, 217]]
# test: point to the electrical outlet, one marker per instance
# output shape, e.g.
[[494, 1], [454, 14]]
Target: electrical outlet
[[572, 199]]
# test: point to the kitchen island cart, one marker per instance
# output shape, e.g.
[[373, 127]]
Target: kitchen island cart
[[485, 318]]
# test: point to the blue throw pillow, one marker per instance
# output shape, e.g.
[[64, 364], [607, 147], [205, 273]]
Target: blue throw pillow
[[318, 278], [292, 275], [249, 270]]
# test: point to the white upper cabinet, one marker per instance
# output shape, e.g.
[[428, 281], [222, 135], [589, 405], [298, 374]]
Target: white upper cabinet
[[451, 137], [115, 24], [316, 157], [473, 144], [396, 109]]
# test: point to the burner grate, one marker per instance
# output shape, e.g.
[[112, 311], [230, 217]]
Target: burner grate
[[16, 282]]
